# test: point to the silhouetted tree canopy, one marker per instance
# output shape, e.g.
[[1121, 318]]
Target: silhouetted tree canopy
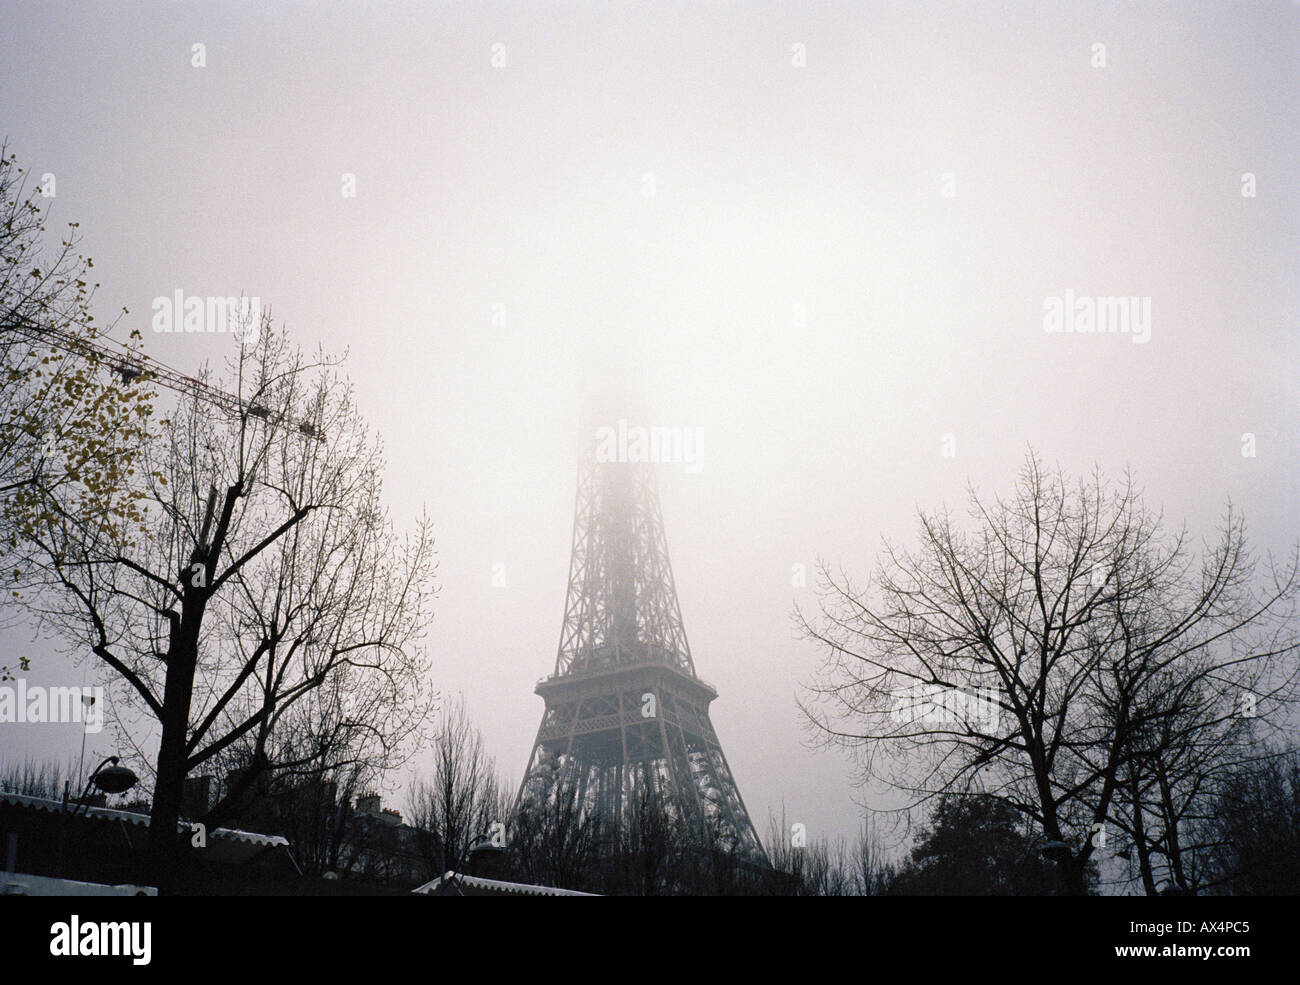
[[976, 846]]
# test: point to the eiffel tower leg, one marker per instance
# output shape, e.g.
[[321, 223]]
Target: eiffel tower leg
[[731, 803], [534, 762], [625, 773], [583, 783], [679, 778], [609, 809]]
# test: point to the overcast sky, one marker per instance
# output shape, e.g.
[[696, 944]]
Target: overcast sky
[[824, 234]]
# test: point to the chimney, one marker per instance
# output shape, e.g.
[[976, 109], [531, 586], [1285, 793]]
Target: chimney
[[487, 860]]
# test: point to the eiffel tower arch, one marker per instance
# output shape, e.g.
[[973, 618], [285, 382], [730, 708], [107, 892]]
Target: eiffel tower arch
[[625, 711]]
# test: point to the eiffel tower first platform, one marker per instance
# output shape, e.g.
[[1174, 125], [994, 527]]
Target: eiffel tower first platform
[[624, 709]]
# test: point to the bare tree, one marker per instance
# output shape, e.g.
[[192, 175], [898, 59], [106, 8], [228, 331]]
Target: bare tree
[[1024, 658], [36, 778], [460, 799], [1185, 741], [308, 801], [265, 592], [655, 851], [873, 873], [822, 867], [554, 842]]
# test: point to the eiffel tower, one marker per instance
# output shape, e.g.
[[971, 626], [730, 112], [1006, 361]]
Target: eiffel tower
[[624, 709]]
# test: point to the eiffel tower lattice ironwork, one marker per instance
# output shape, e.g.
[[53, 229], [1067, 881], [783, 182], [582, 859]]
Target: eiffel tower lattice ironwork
[[625, 712]]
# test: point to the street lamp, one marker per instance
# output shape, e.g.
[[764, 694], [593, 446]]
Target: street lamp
[[110, 778], [113, 779]]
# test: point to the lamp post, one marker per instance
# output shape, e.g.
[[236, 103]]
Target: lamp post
[[114, 779]]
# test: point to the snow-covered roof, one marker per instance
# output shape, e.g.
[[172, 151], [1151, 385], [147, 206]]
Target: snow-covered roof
[[493, 885], [131, 817], [22, 884]]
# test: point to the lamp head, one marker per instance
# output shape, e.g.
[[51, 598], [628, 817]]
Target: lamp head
[[114, 779]]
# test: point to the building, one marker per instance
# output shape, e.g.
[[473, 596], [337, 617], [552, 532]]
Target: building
[[46, 844]]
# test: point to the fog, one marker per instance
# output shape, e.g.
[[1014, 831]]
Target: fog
[[823, 239]]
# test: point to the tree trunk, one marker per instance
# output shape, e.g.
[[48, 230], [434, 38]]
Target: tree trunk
[[167, 847]]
